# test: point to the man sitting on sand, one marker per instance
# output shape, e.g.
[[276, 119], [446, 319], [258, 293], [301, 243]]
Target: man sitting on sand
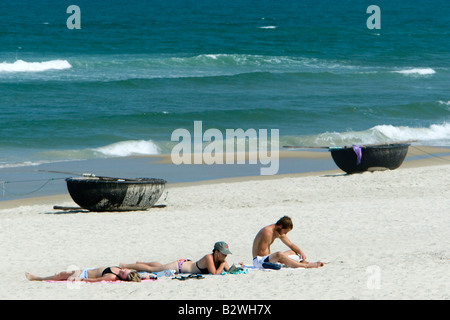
[[264, 239]]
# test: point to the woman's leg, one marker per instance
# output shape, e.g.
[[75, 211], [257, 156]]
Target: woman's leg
[[57, 277], [151, 264], [151, 267]]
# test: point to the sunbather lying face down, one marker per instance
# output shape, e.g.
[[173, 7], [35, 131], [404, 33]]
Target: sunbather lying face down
[[212, 263], [91, 275]]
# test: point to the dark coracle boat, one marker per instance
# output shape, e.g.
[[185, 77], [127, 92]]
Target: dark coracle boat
[[115, 194], [369, 158]]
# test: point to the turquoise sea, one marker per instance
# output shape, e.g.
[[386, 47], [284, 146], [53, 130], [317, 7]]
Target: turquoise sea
[[137, 70]]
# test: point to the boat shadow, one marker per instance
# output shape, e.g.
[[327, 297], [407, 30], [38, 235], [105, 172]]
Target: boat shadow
[[61, 210], [74, 210], [335, 175]]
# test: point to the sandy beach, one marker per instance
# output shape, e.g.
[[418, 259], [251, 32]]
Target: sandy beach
[[382, 235], [242, 109]]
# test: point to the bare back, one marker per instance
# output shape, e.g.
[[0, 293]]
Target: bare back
[[263, 240]]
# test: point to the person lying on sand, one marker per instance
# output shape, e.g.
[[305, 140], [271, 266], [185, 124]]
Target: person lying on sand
[[267, 235], [212, 263], [91, 275]]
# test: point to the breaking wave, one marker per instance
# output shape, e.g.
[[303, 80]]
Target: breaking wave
[[434, 135], [129, 148], [114, 150], [417, 71], [23, 66]]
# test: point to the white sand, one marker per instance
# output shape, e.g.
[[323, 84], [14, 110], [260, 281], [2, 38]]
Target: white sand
[[385, 235]]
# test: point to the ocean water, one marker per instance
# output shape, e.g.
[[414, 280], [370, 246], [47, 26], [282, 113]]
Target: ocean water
[[137, 70]]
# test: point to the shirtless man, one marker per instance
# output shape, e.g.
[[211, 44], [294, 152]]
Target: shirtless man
[[267, 235]]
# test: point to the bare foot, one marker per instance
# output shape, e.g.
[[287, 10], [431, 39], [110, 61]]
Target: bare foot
[[315, 264], [31, 277]]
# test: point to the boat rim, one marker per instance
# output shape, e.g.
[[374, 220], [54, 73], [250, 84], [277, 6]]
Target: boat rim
[[117, 180]]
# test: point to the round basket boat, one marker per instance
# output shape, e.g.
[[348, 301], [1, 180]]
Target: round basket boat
[[373, 158], [115, 194]]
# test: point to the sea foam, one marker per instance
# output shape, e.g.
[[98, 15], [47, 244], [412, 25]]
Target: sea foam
[[417, 71], [23, 66], [434, 132], [129, 148], [435, 135]]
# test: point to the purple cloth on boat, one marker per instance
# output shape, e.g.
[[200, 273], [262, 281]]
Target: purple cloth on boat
[[358, 152]]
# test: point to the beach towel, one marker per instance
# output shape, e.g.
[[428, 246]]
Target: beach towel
[[145, 277], [164, 273], [274, 266], [118, 281], [234, 269]]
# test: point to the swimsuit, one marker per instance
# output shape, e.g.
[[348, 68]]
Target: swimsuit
[[258, 261], [108, 270], [180, 263], [84, 273], [204, 271]]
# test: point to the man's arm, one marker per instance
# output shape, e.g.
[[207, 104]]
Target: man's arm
[[292, 246], [212, 268]]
